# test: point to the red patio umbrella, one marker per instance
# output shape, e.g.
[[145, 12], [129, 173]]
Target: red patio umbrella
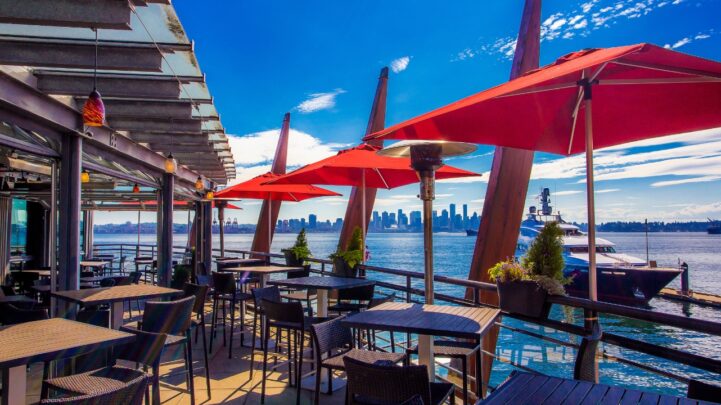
[[362, 167], [639, 91], [256, 188]]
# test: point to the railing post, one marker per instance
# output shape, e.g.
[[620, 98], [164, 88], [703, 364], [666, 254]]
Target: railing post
[[685, 287]]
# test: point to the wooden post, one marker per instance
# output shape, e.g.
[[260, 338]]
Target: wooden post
[[270, 209], [207, 232], [69, 227], [221, 222], [507, 186], [357, 214], [165, 231]]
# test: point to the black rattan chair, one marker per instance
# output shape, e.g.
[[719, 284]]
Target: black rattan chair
[[336, 341], [226, 291], [172, 318], [305, 296], [134, 278], [12, 315], [259, 294], [200, 292], [585, 365], [353, 299], [391, 384], [145, 350]]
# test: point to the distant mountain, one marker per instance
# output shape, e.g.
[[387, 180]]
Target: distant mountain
[[655, 226]]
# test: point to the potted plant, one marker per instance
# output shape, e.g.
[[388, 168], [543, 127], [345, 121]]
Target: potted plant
[[296, 255], [345, 262], [181, 275], [523, 287]]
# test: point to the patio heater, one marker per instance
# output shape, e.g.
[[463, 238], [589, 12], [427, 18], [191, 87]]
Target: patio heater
[[427, 157]]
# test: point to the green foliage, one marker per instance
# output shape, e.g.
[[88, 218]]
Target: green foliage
[[181, 275], [508, 270], [300, 250], [545, 255], [354, 254]]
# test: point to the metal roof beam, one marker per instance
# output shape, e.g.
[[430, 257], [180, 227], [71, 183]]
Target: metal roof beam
[[109, 86], [151, 138], [155, 125], [122, 108], [106, 14], [72, 54]]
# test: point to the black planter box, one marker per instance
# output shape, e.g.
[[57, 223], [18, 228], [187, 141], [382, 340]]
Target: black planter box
[[341, 269], [290, 259], [524, 298]]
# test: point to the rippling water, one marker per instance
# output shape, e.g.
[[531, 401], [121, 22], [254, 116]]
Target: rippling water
[[452, 253]]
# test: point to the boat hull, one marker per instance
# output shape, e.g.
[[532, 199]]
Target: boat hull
[[628, 285]]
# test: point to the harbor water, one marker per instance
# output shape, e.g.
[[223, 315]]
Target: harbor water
[[453, 253]]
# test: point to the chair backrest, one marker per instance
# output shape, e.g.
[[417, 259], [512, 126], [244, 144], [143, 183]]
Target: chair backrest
[[299, 273], [171, 317], [331, 335], [135, 277], [703, 391], [224, 283], [385, 383], [12, 315], [381, 300], [129, 393], [585, 368], [286, 312], [364, 293], [7, 290], [271, 293], [107, 282], [122, 280], [200, 292], [87, 274], [146, 349], [204, 280]]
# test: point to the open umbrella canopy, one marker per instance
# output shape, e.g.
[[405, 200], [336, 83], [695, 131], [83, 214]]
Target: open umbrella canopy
[[176, 203], [348, 167], [256, 188], [639, 91]]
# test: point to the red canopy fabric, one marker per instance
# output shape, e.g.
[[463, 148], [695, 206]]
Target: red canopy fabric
[[256, 189], [643, 91], [348, 166]]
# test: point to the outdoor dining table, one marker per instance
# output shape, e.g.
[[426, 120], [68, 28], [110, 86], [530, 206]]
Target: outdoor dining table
[[40, 273], [527, 388], [322, 285], [238, 261], [263, 272], [115, 296], [47, 340], [429, 320]]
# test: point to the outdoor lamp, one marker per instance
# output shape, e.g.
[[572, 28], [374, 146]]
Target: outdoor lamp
[[94, 108], [199, 186], [170, 164], [209, 195], [136, 188], [84, 176]]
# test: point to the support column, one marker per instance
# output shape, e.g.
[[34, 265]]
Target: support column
[[69, 226], [507, 186], [207, 231], [165, 231], [88, 221], [6, 206], [221, 230], [354, 211]]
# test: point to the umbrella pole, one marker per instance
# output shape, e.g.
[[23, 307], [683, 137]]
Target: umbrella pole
[[425, 342], [363, 213], [137, 248], [270, 228]]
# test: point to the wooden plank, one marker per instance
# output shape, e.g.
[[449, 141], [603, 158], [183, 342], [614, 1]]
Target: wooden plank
[[613, 396], [596, 394], [579, 393], [540, 395], [536, 383], [561, 392], [668, 400], [631, 397], [649, 398], [325, 283], [508, 389], [93, 296]]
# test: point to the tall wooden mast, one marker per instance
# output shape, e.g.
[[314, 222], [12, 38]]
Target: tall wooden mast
[[507, 183], [354, 210], [261, 239]]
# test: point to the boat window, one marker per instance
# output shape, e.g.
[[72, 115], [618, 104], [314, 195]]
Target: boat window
[[599, 249]]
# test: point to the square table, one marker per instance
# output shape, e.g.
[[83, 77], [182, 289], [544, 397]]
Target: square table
[[322, 285], [239, 261], [263, 271], [427, 321], [47, 340], [115, 296]]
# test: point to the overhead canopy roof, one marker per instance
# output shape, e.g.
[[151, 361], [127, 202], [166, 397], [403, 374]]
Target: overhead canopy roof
[[151, 82]]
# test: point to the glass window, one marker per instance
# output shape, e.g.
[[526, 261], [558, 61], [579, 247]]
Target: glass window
[[19, 226]]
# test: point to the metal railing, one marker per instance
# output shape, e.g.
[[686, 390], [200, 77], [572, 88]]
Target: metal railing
[[408, 292]]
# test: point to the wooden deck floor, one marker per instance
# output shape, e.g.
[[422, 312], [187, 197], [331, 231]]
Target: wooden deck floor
[[229, 378]]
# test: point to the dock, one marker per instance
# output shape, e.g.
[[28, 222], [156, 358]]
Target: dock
[[699, 298]]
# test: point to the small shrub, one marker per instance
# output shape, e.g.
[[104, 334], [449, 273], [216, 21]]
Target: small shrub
[[508, 270], [354, 254], [300, 250]]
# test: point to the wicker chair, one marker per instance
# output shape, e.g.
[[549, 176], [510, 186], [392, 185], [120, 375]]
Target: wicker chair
[[305, 296], [391, 384], [134, 278], [585, 365], [353, 299], [226, 291], [12, 315], [172, 318], [336, 340], [376, 301], [200, 292], [123, 385], [259, 294], [130, 393]]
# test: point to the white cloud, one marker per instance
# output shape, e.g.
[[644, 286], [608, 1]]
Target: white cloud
[[702, 179], [319, 101], [681, 42], [400, 64], [607, 190], [567, 192], [697, 211]]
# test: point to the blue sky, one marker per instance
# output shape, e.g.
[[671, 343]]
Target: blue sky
[[320, 60]]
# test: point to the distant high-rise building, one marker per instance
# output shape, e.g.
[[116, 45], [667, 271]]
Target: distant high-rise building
[[451, 224], [465, 216], [312, 221]]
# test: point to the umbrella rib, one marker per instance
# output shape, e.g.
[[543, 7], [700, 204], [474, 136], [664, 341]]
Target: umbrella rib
[[575, 117], [670, 80], [668, 69], [292, 196], [382, 178], [540, 89]]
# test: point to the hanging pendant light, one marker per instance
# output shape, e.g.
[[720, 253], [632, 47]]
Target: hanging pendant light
[[209, 195], [84, 176], [94, 109], [199, 186], [136, 188], [170, 164]]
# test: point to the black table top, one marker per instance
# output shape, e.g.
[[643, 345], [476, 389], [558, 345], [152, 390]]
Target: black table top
[[434, 320], [261, 269], [53, 339], [323, 283], [526, 388]]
